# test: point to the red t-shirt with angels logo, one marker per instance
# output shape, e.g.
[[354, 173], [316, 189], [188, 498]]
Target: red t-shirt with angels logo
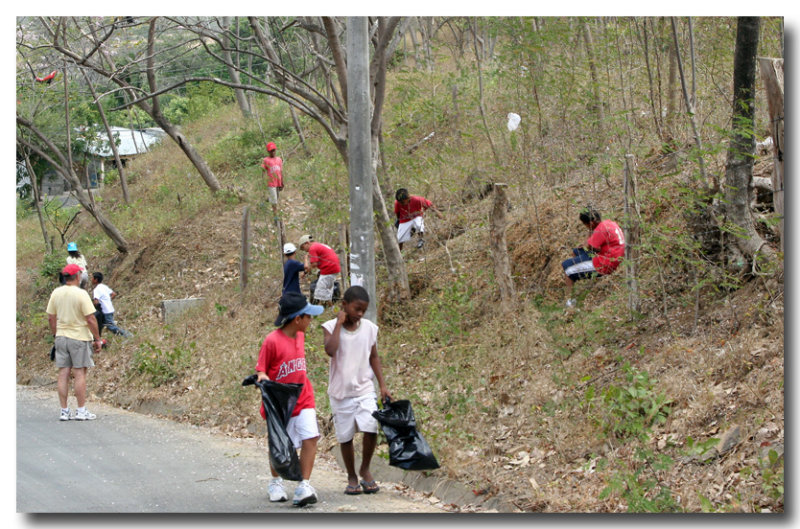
[[283, 359]]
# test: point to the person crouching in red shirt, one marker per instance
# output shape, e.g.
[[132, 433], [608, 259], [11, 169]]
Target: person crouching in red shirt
[[409, 210], [604, 250]]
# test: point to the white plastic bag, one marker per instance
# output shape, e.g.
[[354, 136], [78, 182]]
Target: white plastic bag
[[513, 121]]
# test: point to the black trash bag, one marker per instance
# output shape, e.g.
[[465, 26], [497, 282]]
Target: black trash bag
[[279, 402], [407, 448]]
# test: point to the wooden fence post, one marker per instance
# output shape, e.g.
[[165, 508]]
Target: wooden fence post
[[344, 255], [243, 268], [497, 236]]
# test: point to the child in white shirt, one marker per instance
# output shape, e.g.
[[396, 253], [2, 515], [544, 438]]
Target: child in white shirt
[[351, 342]]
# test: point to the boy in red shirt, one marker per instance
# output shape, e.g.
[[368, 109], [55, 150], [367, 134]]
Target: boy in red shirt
[[283, 359], [606, 247], [409, 210], [272, 169], [322, 257]]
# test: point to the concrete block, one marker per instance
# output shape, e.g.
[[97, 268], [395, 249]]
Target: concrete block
[[172, 308]]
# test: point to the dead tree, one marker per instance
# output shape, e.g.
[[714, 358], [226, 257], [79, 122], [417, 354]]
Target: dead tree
[[772, 75], [497, 241]]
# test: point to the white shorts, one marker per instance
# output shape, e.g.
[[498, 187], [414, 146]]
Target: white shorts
[[404, 229], [354, 414], [303, 426], [324, 290], [272, 195]]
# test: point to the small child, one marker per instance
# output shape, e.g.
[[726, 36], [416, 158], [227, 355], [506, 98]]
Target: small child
[[102, 296], [292, 270], [283, 359], [351, 342]]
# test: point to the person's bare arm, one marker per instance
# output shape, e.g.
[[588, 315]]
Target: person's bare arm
[[375, 364], [331, 339], [53, 321]]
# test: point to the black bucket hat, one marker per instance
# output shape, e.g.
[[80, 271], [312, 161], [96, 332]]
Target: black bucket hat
[[294, 304]]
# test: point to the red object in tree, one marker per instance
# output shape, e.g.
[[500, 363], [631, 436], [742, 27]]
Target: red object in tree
[[47, 79]]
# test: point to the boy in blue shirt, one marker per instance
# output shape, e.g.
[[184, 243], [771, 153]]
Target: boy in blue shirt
[[292, 268]]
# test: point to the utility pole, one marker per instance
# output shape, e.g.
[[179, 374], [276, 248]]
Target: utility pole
[[362, 234]]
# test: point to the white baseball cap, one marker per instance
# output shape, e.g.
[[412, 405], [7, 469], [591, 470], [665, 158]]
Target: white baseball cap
[[289, 248]]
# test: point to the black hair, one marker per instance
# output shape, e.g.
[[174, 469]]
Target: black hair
[[98, 276], [75, 253], [355, 293], [401, 194], [589, 214]]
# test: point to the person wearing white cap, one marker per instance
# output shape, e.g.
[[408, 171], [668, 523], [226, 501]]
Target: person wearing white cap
[[292, 270]]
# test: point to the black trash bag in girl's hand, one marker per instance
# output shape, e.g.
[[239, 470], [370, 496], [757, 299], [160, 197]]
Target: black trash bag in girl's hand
[[407, 448], [279, 401]]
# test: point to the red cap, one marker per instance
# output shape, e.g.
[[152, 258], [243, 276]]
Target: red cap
[[271, 146], [71, 270]]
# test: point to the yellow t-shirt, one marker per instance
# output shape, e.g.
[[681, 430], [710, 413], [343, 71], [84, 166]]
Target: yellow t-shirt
[[71, 305]]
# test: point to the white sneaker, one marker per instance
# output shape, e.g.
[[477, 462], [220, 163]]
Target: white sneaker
[[304, 494], [276, 490], [64, 415], [86, 415], [571, 303]]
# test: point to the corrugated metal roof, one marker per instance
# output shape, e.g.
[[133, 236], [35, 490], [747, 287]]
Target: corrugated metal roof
[[131, 141]]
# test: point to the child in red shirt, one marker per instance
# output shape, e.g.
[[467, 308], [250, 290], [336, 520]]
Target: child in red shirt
[[282, 359], [272, 169], [606, 247], [409, 210]]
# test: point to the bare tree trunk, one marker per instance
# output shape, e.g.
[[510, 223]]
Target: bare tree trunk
[[299, 129], [497, 241], [48, 243], [197, 160], [241, 97], [672, 88], [741, 151], [691, 110], [597, 103], [772, 75], [632, 236], [62, 166], [480, 92], [656, 113], [122, 180]]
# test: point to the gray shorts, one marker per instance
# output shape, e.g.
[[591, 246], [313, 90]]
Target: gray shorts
[[272, 195], [324, 290], [73, 353]]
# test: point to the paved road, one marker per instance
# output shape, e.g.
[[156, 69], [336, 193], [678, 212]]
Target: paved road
[[124, 462]]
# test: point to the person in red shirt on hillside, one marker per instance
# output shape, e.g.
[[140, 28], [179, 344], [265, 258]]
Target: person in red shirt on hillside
[[282, 358], [322, 257], [409, 210], [272, 170], [605, 248]]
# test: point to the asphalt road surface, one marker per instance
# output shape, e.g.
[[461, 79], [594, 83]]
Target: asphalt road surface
[[124, 462]]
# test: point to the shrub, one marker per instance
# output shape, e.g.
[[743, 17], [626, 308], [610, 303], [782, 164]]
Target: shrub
[[162, 365]]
